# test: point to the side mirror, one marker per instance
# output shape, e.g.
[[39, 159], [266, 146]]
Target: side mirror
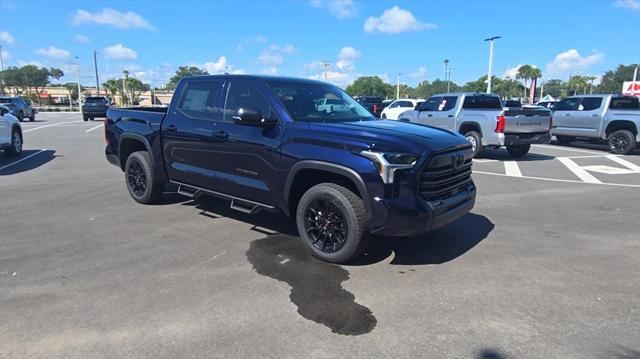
[[251, 116]]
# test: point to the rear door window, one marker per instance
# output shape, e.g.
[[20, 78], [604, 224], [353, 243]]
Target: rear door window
[[447, 103], [481, 102], [200, 99], [590, 104], [569, 104], [625, 103]]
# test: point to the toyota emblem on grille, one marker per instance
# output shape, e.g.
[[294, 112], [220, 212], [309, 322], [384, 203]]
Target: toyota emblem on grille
[[457, 161]]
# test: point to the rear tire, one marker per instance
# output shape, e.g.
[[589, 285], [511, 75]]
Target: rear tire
[[16, 143], [563, 140], [622, 142], [475, 138], [85, 118], [140, 178], [332, 223], [384, 116], [518, 150], [32, 118], [20, 116]]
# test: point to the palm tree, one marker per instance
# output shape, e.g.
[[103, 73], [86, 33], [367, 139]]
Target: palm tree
[[524, 73]]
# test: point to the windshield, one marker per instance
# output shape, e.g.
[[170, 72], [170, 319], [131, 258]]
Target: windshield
[[5, 100], [311, 102]]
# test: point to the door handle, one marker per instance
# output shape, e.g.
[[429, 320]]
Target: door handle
[[567, 114], [450, 116], [595, 115], [429, 115], [171, 128], [220, 135]]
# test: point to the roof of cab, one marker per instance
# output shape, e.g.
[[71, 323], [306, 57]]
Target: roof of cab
[[258, 77]]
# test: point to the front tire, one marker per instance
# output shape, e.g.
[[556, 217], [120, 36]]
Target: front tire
[[331, 222], [32, 118], [384, 116], [16, 143], [518, 150], [85, 118], [140, 178], [20, 116], [622, 142], [475, 138]]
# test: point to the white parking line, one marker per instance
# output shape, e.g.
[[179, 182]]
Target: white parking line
[[560, 180], [51, 125], [94, 128], [578, 171], [22, 159], [479, 160], [625, 163], [511, 169], [569, 149]]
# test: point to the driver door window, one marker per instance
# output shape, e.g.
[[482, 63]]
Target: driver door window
[[243, 94]]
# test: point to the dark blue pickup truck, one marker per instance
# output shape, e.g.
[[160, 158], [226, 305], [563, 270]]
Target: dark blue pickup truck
[[267, 143]]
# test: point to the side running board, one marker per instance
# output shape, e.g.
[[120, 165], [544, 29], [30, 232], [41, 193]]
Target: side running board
[[188, 191], [237, 204], [244, 207]]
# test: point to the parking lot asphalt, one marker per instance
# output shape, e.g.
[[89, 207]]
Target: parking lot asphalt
[[547, 265]]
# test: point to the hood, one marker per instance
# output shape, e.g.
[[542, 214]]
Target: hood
[[391, 136]]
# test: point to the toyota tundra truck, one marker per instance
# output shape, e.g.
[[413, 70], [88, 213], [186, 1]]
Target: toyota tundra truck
[[262, 144], [482, 120], [611, 118]]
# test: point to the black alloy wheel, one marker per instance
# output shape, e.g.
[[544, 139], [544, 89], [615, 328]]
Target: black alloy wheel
[[137, 179], [325, 225]]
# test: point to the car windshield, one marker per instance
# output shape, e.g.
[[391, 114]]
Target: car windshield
[[5, 100], [316, 102]]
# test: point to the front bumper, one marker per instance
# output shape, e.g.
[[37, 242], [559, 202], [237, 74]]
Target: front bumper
[[403, 217], [526, 138]]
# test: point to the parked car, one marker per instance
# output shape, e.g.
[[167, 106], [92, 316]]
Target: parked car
[[95, 106], [397, 107], [612, 118], [372, 103], [18, 107], [10, 132], [262, 143], [329, 105], [548, 104], [482, 120]]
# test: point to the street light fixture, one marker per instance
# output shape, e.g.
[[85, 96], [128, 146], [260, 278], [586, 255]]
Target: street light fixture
[[491, 40], [398, 86], [446, 72]]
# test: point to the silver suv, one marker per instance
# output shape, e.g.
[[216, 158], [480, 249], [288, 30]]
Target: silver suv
[[18, 107], [614, 118]]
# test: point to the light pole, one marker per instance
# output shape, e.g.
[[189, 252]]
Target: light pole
[[1, 70], [398, 86], [95, 65], [491, 40], [446, 71], [325, 65], [78, 80]]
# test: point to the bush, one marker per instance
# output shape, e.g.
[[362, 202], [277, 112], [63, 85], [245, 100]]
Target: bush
[[56, 109]]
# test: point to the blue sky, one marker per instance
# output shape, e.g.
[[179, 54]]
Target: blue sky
[[292, 38]]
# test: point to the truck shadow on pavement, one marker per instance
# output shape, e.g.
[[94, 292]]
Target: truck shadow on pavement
[[34, 162], [316, 286], [503, 155]]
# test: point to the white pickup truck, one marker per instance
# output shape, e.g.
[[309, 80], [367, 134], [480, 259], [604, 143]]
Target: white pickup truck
[[10, 132], [484, 122], [613, 118]]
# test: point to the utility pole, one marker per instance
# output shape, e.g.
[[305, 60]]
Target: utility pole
[[491, 40], [541, 90], [1, 70], [95, 65], [398, 86], [124, 85], [78, 80], [633, 84], [326, 64]]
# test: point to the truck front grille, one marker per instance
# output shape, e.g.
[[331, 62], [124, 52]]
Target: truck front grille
[[446, 175]]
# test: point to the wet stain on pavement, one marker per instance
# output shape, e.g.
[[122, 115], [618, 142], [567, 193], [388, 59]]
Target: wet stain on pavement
[[316, 286]]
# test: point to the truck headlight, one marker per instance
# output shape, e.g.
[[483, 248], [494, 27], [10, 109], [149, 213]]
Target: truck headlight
[[389, 163]]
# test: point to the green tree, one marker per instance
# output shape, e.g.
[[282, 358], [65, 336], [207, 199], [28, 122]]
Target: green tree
[[184, 71], [577, 83], [480, 85], [526, 73], [370, 86], [426, 89], [72, 87], [612, 80], [555, 88], [506, 88]]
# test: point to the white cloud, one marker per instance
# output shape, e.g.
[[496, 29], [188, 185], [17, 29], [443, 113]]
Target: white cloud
[[54, 53], [6, 55], [342, 9], [119, 52], [346, 57], [32, 62], [111, 17], [216, 67], [332, 76], [571, 60], [628, 4], [271, 70], [511, 72], [6, 38], [420, 73], [81, 39], [274, 55], [394, 21]]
